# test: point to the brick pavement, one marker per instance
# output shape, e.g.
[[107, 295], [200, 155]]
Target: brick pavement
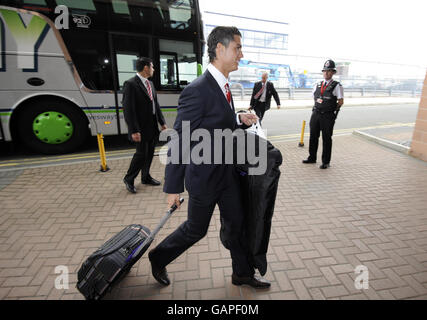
[[368, 209]]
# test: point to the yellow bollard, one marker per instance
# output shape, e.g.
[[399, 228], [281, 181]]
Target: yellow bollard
[[301, 144], [101, 147]]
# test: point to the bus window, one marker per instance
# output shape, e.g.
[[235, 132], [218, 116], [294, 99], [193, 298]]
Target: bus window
[[120, 7], [176, 14], [186, 59], [127, 49], [38, 2], [126, 67], [187, 68], [77, 4], [180, 14], [91, 57], [131, 16], [168, 72]]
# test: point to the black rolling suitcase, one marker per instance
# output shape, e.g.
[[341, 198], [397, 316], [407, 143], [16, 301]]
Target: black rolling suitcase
[[113, 260]]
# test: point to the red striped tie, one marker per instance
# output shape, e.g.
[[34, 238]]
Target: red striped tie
[[259, 93], [228, 93], [149, 90]]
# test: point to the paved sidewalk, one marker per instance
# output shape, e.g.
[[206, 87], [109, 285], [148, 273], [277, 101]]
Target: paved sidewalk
[[368, 209]]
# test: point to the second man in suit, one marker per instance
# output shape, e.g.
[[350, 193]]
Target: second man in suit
[[142, 113], [261, 96]]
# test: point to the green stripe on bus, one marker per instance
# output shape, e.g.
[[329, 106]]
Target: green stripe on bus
[[101, 111], [5, 114], [114, 111]]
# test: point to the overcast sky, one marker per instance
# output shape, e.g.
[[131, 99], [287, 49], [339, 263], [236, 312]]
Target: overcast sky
[[374, 30]]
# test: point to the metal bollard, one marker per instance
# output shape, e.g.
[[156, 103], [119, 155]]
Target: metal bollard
[[301, 143], [104, 167]]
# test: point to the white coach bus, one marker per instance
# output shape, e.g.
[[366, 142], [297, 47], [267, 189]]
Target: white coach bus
[[63, 64]]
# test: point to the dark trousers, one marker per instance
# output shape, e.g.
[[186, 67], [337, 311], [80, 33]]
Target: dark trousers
[[200, 209], [260, 109], [325, 123], [141, 161]]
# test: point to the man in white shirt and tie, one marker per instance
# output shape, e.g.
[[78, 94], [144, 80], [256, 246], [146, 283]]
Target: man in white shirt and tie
[[142, 113], [261, 96]]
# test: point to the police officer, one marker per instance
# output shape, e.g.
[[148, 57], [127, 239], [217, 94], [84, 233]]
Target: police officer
[[328, 99]]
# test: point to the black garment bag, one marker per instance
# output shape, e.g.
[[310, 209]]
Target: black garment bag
[[258, 197]]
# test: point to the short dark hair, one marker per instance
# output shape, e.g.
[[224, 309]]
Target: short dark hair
[[223, 35], [141, 62]]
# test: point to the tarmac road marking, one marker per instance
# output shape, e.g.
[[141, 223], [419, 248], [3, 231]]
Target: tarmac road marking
[[337, 131], [9, 164]]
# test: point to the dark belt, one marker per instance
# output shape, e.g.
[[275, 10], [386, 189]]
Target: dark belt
[[320, 111]]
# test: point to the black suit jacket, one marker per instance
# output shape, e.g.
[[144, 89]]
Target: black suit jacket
[[138, 110], [203, 104], [271, 91]]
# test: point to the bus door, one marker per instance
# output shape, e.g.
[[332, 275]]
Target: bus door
[[125, 49], [1, 130]]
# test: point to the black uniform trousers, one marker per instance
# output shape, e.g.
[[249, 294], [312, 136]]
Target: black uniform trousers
[[200, 209], [325, 123], [260, 109], [141, 160]]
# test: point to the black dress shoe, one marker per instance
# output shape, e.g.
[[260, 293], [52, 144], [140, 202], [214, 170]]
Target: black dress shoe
[[324, 166], [129, 186], [151, 181], [308, 161], [255, 281], [160, 274]]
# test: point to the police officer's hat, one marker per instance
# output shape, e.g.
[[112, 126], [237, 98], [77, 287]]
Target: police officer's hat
[[329, 65]]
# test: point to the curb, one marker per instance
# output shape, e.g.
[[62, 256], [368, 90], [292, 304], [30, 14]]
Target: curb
[[386, 143]]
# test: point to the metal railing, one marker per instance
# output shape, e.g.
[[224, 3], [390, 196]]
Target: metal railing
[[306, 93]]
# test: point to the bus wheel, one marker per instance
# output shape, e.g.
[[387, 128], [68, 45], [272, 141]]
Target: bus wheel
[[52, 127]]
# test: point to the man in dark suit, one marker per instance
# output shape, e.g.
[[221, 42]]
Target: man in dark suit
[[206, 105], [142, 113], [261, 96]]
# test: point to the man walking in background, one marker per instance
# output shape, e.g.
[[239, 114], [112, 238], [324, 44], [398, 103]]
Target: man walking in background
[[142, 113], [261, 96]]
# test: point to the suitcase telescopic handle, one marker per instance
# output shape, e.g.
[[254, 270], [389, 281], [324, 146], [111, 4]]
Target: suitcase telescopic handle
[[174, 207], [155, 231]]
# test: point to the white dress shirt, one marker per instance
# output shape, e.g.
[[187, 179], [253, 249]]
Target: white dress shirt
[[144, 81], [222, 81], [338, 91]]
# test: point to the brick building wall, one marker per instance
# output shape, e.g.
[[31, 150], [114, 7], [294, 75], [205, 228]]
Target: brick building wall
[[419, 139]]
